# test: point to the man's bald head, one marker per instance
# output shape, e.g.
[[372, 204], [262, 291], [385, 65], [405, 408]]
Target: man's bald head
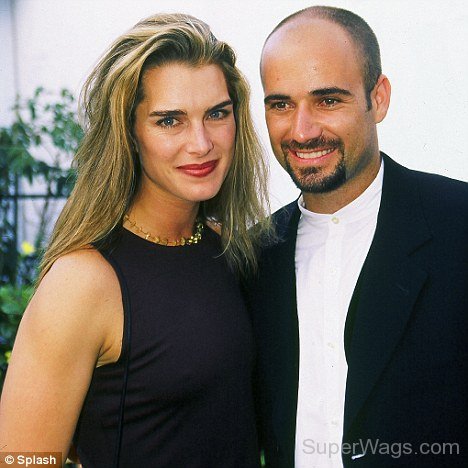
[[358, 30]]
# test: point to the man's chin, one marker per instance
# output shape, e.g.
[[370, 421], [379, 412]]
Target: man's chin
[[314, 182]]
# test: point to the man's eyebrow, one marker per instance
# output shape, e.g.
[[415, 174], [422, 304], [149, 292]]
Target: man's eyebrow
[[332, 90], [276, 97], [316, 92]]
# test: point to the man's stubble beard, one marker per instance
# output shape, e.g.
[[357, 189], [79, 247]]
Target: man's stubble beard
[[310, 180]]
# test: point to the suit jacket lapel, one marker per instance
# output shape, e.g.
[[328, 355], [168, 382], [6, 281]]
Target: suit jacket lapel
[[284, 342], [387, 288]]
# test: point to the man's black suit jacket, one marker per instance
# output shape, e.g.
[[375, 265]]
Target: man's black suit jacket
[[406, 334]]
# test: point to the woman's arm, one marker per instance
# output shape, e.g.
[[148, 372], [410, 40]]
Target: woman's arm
[[73, 323]]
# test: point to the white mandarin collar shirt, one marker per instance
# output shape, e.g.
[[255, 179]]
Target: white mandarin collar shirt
[[330, 252]]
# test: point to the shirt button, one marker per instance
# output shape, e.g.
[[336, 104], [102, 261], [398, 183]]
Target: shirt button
[[335, 220]]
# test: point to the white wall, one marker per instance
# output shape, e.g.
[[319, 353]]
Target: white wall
[[8, 79], [424, 47]]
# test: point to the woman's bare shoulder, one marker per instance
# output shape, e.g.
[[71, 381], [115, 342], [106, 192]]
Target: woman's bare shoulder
[[72, 323], [81, 288], [86, 267]]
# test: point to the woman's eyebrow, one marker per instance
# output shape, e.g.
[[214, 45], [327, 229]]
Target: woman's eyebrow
[[221, 104], [167, 113], [178, 112]]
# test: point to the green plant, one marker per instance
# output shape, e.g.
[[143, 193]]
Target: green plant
[[35, 154], [13, 301], [36, 149]]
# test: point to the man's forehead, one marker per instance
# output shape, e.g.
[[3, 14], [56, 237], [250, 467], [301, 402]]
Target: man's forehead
[[301, 32], [301, 35], [309, 53]]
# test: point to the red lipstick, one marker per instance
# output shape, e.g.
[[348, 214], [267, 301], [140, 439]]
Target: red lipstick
[[199, 170]]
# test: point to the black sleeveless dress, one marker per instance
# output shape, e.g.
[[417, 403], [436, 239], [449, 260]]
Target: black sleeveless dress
[[188, 349]]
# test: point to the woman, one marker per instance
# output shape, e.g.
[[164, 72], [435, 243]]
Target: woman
[[137, 346]]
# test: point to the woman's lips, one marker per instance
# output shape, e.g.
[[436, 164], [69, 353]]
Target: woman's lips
[[199, 170]]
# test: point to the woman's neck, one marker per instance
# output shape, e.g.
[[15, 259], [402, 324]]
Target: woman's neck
[[169, 218]]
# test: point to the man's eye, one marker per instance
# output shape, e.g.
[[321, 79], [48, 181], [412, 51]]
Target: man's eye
[[280, 105], [329, 102]]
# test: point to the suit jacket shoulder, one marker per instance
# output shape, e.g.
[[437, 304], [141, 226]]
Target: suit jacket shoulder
[[440, 197], [440, 203]]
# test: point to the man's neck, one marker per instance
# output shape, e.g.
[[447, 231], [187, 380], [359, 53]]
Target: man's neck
[[331, 202]]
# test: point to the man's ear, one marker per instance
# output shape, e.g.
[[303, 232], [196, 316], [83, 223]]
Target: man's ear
[[380, 97]]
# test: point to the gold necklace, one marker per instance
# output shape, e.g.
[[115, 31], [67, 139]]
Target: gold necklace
[[193, 239]]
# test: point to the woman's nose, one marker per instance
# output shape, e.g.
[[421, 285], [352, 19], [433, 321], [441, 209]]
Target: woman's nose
[[199, 142]]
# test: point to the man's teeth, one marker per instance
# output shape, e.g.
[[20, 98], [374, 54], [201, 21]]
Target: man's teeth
[[313, 154]]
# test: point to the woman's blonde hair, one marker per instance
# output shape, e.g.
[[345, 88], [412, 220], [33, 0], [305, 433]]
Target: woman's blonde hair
[[108, 170]]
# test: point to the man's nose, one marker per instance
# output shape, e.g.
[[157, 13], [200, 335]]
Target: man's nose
[[305, 124]]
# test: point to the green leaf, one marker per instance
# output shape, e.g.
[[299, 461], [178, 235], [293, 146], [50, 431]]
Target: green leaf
[[43, 125]]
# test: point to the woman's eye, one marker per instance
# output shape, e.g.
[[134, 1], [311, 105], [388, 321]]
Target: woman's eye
[[218, 114], [167, 122]]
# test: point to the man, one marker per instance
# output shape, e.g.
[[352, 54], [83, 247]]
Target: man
[[360, 308]]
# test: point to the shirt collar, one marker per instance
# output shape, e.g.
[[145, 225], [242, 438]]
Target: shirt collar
[[365, 204]]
